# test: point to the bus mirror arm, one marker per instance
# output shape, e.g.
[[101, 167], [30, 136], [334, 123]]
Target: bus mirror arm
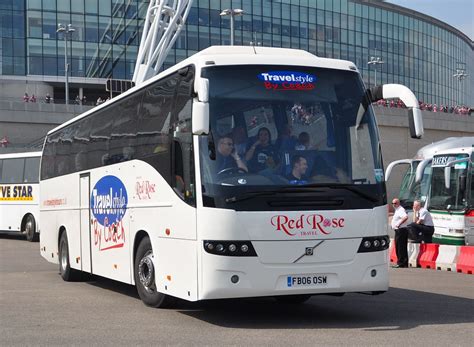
[[398, 91], [447, 177], [390, 166], [421, 169], [200, 120], [447, 170], [201, 87]]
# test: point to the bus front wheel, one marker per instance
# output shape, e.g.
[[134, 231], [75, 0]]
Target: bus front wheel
[[30, 229], [65, 270], [144, 272]]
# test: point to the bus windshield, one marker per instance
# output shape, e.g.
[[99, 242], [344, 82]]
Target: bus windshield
[[455, 197], [410, 190], [289, 137]]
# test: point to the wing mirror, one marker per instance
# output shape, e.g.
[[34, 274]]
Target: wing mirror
[[201, 107], [398, 91]]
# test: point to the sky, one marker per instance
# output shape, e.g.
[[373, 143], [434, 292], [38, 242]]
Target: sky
[[457, 13]]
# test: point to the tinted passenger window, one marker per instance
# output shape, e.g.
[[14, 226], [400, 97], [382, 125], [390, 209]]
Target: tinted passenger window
[[153, 126], [183, 166], [31, 170], [12, 171], [137, 127]]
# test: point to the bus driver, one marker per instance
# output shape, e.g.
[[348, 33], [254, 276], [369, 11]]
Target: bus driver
[[227, 158]]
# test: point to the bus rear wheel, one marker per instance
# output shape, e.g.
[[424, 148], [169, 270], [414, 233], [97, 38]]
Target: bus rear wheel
[[65, 270], [30, 229], [144, 273]]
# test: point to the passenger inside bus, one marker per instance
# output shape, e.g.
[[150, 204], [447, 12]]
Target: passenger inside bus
[[299, 167], [262, 156], [240, 140], [286, 140], [228, 160], [303, 142]]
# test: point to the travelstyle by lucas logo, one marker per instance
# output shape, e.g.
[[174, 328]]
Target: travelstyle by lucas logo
[[109, 201], [287, 80]]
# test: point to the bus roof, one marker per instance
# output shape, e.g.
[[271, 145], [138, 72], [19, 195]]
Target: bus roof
[[20, 155], [233, 55], [457, 150], [449, 143]]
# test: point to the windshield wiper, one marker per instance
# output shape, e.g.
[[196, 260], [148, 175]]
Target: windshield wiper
[[301, 189], [249, 195], [345, 186], [252, 194]]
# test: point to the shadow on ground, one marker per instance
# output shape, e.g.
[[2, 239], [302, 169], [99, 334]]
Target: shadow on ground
[[12, 235], [398, 309]]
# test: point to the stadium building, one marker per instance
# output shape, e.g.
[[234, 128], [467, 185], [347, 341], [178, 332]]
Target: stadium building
[[429, 56]]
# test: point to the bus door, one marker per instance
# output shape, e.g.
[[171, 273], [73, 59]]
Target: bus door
[[109, 226], [85, 225]]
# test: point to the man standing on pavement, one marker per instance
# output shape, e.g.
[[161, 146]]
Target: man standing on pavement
[[399, 220], [422, 228]]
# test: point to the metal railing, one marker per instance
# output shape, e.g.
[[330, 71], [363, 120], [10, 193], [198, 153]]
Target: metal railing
[[43, 100]]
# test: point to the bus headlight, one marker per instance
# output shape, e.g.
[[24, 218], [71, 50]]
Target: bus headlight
[[230, 248], [374, 244]]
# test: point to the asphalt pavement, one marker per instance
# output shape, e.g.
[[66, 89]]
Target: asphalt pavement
[[421, 308]]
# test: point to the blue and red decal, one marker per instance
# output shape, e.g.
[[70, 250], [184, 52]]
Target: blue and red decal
[[287, 80], [109, 200]]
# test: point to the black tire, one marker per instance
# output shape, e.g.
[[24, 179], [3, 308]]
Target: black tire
[[293, 299], [65, 270], [30, 229], [144, 273]]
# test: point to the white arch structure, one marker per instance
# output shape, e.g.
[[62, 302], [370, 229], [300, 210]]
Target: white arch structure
[[163, 23]]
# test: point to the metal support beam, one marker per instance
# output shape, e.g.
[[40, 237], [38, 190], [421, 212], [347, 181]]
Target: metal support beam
[[164, 21]]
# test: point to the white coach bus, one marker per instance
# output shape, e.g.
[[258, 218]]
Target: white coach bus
[[452, 196], [240, 172], [19, 194], [451, 220], [416, 182]]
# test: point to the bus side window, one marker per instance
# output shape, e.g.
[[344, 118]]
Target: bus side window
[[31, 170], [12, 171], [178, 173], [183, 155], [154, 123]]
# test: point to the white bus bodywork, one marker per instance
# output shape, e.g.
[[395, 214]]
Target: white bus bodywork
[[19, 193], [417, 181], [452, 194], [107, 210]]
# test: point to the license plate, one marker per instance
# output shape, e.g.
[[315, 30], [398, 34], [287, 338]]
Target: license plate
[[307, 281]]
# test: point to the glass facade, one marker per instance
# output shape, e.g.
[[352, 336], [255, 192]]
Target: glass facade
[[417, 51]]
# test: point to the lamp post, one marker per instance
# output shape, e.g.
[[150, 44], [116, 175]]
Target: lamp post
[[232, 13], [461, 75], [66, 30], [375, 61]]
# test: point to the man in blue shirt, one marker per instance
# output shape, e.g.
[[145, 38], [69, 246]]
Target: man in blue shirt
[[227, 157], [299, 165]]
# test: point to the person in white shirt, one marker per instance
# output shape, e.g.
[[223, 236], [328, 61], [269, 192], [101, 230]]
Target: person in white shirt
[[399, 221], [422, 228]]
